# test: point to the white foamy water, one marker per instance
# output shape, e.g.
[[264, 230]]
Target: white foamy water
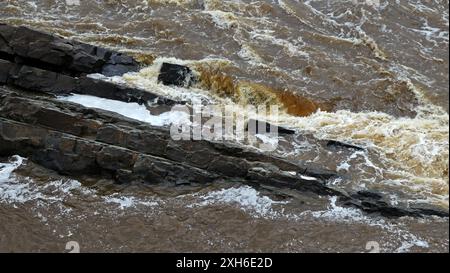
[[56, 194], [127, 202], [245, 197], [12, 190], [408, 152], [6, 169], [130, 110], [412, 152]]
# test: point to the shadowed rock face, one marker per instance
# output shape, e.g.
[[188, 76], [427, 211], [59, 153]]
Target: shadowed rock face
[[76, 141], [255, 126], [58, 129], [174, 74], [34, 48], [40, 80]]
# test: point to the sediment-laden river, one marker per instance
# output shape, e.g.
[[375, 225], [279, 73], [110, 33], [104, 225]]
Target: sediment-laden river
[[369, 73]]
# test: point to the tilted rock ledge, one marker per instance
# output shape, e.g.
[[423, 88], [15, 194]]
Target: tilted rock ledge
[[75, 140], [26, 46]]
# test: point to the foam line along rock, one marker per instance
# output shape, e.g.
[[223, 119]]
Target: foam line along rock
[[75, 141], [40, 80], [178, 75]]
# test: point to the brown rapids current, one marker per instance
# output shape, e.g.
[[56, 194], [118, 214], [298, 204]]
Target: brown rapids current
[[378, 74]]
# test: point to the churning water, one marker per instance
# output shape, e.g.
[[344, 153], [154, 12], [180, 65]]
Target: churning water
[[371, 73]]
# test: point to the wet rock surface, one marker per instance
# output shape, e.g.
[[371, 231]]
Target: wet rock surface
[[338, 144], [34, 48], [174, 74], [36, 79], [74, 140]]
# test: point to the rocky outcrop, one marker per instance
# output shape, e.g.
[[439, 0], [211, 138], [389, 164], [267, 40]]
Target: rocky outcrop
[[372, 202], [75, 140], [40, 80], [78, 141], [255, 125], [42, 62], [339, 144], [34, 48]]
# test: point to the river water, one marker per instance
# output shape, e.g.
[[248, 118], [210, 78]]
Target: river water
[[370, 73]]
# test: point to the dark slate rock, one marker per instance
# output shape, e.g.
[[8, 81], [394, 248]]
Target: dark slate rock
[[49, 52], [109, 90], [36, 79], [40, 80], [5, 68], [369, 195], [174, 74], [106, 144], [339, 144]]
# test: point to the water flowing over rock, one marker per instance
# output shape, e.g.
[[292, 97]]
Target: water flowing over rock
[[173, 74], [75, 140], [338, 144]]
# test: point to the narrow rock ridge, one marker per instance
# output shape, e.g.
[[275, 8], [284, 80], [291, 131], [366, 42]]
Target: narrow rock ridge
[[46, 51], [36, 79], [38, 61], [77, 141]]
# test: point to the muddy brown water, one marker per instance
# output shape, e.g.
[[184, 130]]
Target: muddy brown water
[[378, 74]]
